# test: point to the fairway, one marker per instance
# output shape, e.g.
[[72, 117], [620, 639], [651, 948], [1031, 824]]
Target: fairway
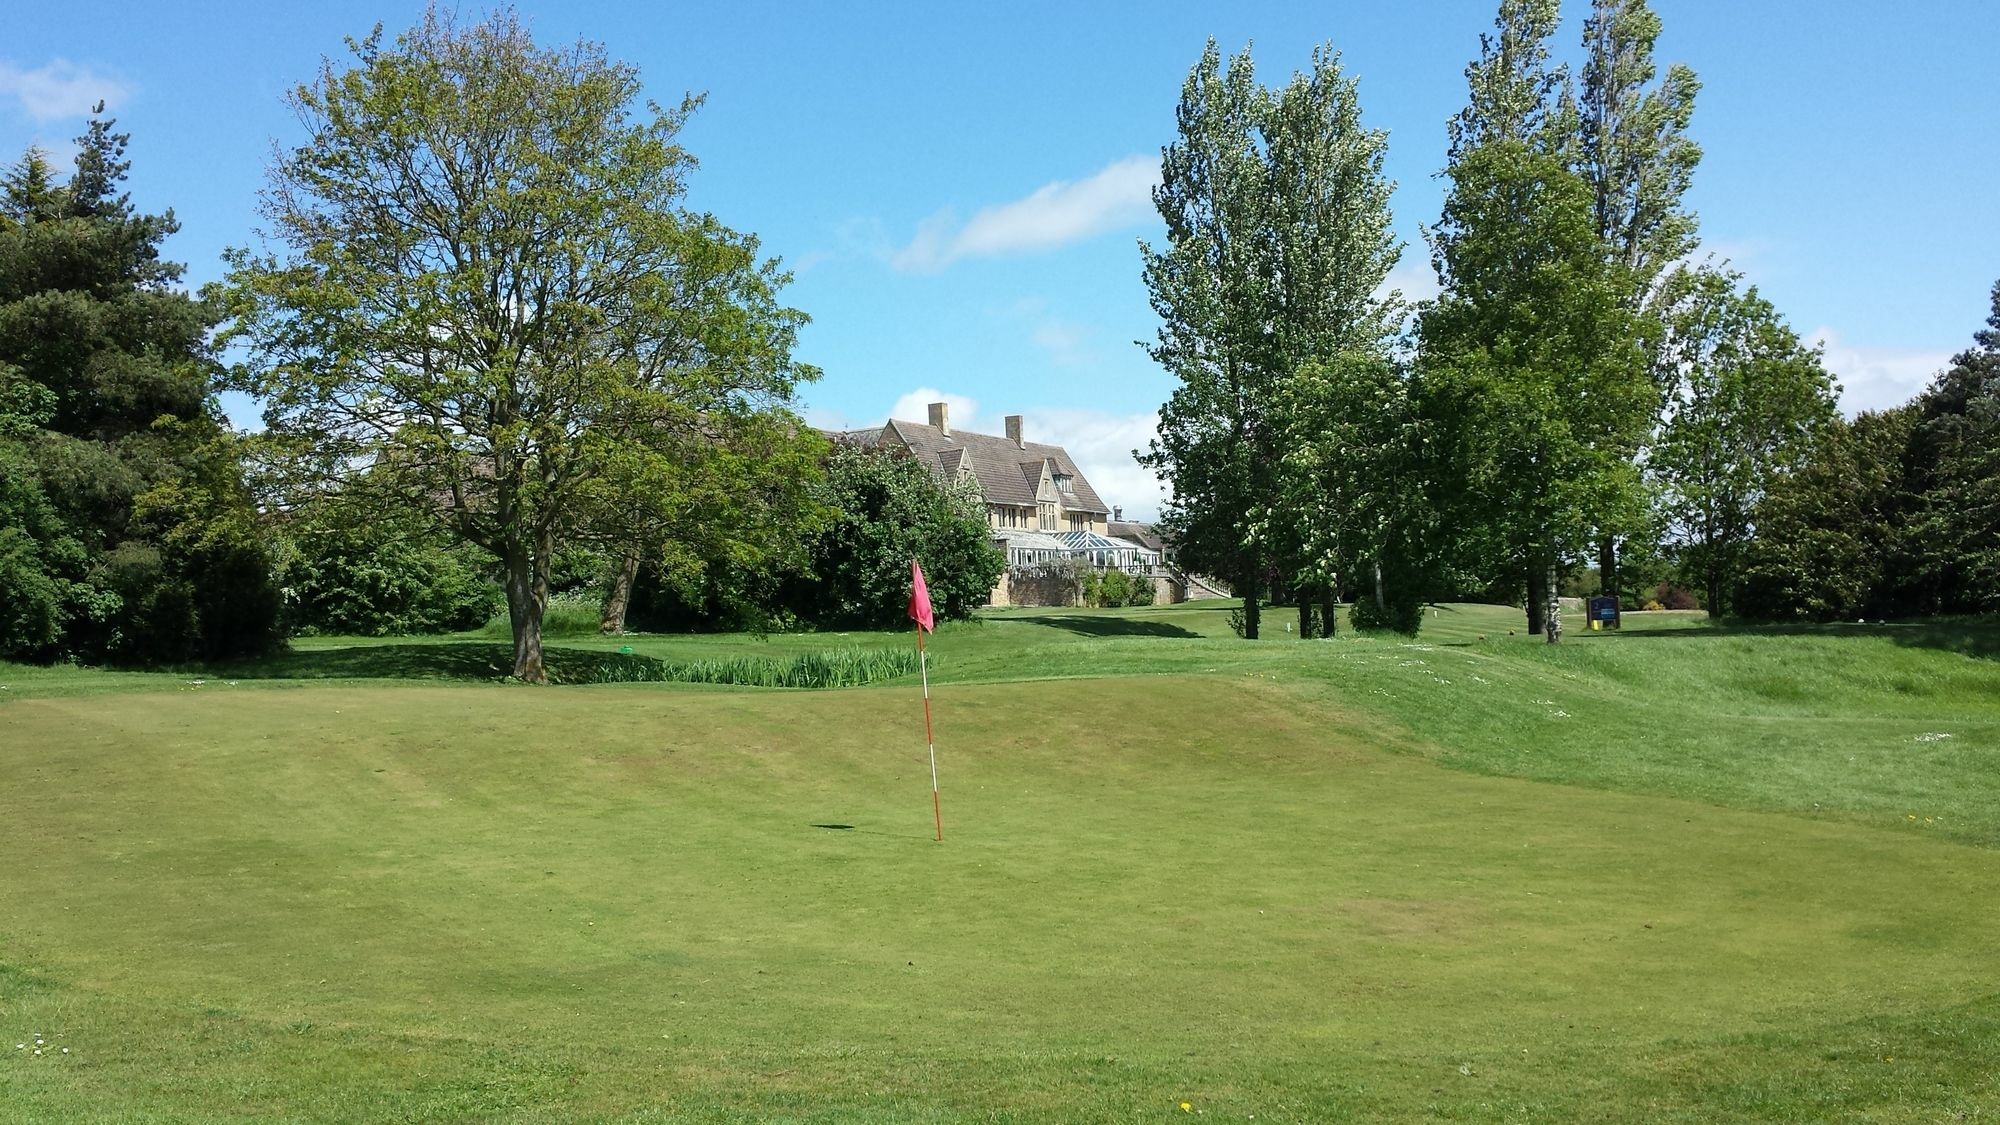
[[1285, 881]]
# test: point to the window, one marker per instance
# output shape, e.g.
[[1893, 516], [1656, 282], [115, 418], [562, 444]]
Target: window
[[1048, 516], [1063, 483], [1079, 523]]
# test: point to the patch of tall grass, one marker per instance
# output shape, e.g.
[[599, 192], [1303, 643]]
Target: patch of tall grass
[[822, 668], [573, 613]]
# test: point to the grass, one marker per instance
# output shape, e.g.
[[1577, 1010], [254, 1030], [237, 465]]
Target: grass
[[1678, 873]]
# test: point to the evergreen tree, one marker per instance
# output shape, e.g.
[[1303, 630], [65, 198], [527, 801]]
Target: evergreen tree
[[129, 534], [1956, 459]]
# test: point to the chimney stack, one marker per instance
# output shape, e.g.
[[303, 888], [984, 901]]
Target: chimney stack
[[941, 417], [1118, 514], [1014, 431]]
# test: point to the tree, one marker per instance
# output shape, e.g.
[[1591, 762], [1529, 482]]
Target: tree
[[888, 509], [1331, 249], [126, 532], [1955, 460], [492, 297], [1639, 161], [1361, 494], [1530, 381], [1828, 529], [1278, 240], [1746, 402], [1210, 287]]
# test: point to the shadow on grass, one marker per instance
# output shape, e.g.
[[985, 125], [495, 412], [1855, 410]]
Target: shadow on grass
[[462, 660], [1110, 626], [1977, 638]]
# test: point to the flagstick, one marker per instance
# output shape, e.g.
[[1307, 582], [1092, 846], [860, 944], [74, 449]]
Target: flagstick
[[923, 663]]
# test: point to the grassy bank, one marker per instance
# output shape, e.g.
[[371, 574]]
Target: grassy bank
[[1675, 874]]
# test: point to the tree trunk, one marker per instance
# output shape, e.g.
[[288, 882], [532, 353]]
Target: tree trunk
[[1252, 610], [1553, 622], [1715, 606], [621, 594], [527, 597], [1607, 566], [1381, 603], [1538, 597], [1304, 596], [1329, 610]]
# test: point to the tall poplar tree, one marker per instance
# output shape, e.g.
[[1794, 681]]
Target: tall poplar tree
[[1328, 221], [1531, 381], [1635, 152], [1211, 286], [1278, 242]]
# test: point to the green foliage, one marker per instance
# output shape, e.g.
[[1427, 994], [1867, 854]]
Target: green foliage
[[1531, 386], [1826, 529], [126, 531], [1955, 458], [889, 509], [1746, 402], [364, 574], [1278, 237], [819, 668], [1632, 136], [488, 293]]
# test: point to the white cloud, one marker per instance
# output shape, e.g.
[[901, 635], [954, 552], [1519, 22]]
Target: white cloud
[[1413, 275], [59, 89], [1873, 378], [1101, 443], [1055, 214], [915, 407]]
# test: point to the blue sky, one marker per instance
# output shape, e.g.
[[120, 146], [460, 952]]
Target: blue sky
[[960, 189]]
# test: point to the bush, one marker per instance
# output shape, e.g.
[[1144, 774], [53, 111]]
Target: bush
[[1143, 592], [1670, 596], [1396, 615], [353, 573]]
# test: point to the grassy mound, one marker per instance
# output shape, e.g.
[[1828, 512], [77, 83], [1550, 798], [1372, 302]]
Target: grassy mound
[[1674, 875]]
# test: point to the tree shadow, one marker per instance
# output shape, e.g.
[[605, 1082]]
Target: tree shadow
[[1978, 638], [475, 661], [1110, 626]]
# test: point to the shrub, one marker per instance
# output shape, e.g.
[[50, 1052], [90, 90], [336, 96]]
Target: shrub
[[1670, 596], [1143, 592], [351, 573]]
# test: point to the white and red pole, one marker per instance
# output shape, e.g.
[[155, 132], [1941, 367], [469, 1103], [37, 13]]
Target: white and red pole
[[930, 739]]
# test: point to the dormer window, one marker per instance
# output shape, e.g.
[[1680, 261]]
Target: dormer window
[[1063, 483]]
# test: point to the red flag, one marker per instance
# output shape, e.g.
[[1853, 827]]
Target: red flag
[[920, 599]]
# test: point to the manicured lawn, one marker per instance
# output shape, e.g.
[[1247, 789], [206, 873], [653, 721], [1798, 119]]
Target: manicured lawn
[[1673, 874]]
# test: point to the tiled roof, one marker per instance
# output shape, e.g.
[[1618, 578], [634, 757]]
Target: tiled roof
[[1007, 473], [1144, 534]]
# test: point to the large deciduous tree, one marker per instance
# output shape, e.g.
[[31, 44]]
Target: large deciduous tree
[[1747, 402], [1331, 248], [486, 290], [1218, 440], [1278, 244], [1531, 379], [1635, 152]]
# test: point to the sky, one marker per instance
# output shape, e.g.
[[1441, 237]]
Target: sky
[[960, 190]]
